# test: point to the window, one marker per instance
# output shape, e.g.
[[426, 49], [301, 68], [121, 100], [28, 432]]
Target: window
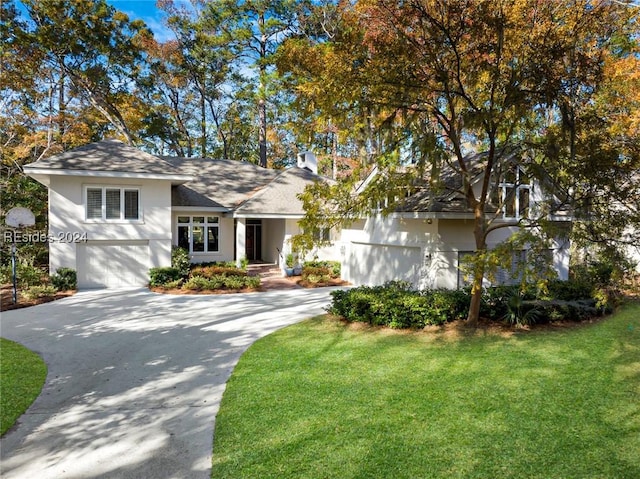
[[513, 194], [112, 203], [199, 234], [321, 234]]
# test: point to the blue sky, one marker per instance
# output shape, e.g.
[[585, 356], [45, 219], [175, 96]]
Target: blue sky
[[147, 11]]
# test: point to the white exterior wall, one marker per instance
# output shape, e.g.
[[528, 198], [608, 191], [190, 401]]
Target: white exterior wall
[[380, 249], [67, 216], [424, 252], [273, 233]]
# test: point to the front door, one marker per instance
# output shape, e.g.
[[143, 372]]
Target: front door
[[253, 240]]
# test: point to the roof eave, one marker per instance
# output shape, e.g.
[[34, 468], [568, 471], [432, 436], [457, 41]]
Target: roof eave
[[40, 173]]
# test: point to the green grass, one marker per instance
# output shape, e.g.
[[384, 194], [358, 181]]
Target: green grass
[[22, 375], [322, 399]]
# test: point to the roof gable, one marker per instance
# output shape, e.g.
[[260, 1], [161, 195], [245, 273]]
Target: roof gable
[[280, 196], [218, 183], [108, 156]]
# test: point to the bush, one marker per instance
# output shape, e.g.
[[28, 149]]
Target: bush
[[180, 260], [26, 275], [559, 310], [64, 279], [173, 284], [316, 274], [397, 306], [575, 289], [164, 275], [333, 267], [215, 270], [252, 282], [198, 283], [35, 292]]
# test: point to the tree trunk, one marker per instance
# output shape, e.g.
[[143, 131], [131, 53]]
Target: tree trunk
[[262, 115], [480, 235], [61, 106], [262, 104], [203, 123]]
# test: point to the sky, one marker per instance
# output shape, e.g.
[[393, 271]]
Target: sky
[[147, 11]]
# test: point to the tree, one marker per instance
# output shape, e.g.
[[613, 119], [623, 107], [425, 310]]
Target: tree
[[93, 46], [67, 77], [442, 79], [254, 29]]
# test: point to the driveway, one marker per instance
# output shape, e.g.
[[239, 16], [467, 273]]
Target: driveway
[[135, 379]]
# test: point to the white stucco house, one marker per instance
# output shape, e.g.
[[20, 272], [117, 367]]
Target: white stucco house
[[426, 238], [115, 211]]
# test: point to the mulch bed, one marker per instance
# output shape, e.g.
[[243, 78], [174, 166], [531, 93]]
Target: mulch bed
[[6, 299], [161, 290], [331, 282]]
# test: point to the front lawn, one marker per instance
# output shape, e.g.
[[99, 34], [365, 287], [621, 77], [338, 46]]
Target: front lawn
[[22, 375], [323, 399]]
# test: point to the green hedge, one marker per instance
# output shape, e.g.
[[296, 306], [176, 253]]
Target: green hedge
[[164, 275], [199, 283], [547, 311], [64, 279], [397, 306]]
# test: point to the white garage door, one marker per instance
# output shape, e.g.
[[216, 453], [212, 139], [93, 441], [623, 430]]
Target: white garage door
[[374, 264], [113, 264]]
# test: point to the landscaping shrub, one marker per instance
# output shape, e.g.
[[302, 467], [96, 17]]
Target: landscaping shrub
[[578, 288], [180, 260], [211, 271], [174, 284], [64, 279], [164, 275], [26, 274], [200, 283], [333, 267], [547, 311], [252, 282], [316, 274], [35, 292], [397, 306]]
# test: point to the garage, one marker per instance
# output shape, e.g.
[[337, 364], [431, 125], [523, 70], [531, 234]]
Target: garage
[[373, 264], [113, 264]]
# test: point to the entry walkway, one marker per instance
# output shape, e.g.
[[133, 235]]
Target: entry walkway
[[135, 379]]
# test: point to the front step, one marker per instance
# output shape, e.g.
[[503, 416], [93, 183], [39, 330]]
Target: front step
[[264, 270]]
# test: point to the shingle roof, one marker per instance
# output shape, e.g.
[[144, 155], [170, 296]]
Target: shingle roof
[[106, 156], [235, 185], [446, 196], [280, 196], [217, 183]]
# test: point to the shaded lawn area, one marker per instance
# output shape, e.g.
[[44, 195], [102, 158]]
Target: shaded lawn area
[[322, 399], [22, 375]]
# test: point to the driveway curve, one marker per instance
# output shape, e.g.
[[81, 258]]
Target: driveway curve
[[135, 379]]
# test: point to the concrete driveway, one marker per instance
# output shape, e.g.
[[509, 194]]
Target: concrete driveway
[[135, 379]]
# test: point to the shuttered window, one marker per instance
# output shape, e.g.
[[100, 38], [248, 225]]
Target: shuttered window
[[131, 205], [112, 203], [94, 203]]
